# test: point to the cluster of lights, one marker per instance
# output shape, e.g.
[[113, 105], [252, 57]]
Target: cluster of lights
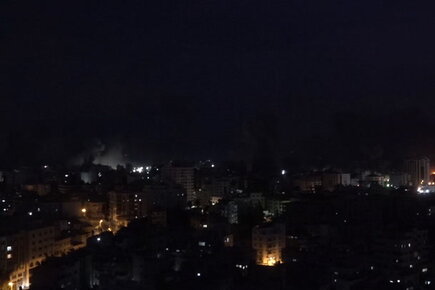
[[243, 267], [141, 169], [138, 169]]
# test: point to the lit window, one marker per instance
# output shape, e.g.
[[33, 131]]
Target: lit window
[[9, 256], [9, 248], [424, 270]]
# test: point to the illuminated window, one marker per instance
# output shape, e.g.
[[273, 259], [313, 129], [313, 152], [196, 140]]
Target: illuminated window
[[8, 248], [9, 256]]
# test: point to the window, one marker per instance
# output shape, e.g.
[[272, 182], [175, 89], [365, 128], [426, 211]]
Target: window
[[9, 256], [9, 248]]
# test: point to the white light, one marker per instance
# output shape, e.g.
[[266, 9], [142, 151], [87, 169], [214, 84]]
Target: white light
[[66, 175], [8, 248], [198, 274], [283, 172], [30, 213], [424, 270], [204, 226], [212, 165], [45, 166], [138, 169], [98, 239], [398, 281]]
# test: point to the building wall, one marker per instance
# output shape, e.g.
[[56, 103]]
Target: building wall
[[268, 242]]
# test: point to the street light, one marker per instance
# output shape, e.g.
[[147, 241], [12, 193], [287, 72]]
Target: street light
[[11, 284]]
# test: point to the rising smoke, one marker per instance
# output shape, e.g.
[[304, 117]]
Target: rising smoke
[[98, 153]]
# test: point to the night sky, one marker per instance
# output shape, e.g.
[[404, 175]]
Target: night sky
[[208, 79]]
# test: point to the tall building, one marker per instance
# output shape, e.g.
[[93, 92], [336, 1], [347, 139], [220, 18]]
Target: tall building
[[419, 170], [183, 176], [125, 206], [268, 240]]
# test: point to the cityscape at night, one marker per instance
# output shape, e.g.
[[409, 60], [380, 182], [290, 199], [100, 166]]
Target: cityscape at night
[[217, 145]]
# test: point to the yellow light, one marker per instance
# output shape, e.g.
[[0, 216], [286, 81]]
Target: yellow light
[[11, 284], [109, 229], [269, 261], [83, 210]]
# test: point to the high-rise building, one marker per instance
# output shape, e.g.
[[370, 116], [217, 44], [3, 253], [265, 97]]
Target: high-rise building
[[125, 206], [268, 241], [419, 170], [183, 176]]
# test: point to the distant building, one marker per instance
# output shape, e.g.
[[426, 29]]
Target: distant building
[[399, 179], [330, 180], [326, 180], [268, 240], [125, 206], [277, 206], [181, 175], [419, 170]]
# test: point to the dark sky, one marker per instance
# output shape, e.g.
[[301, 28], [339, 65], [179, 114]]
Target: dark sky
[[184, 78]]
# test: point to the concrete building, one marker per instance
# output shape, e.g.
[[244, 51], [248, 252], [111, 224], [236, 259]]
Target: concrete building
[[24, 247], [419, 170], [181, 175], [124, 206], [268, 241], [330, 180]]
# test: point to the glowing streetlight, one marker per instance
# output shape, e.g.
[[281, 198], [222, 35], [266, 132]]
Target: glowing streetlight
[[83, 210]]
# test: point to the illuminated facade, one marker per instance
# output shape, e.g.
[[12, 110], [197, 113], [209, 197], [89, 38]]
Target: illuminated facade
[[268, 241], [23, 250]]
